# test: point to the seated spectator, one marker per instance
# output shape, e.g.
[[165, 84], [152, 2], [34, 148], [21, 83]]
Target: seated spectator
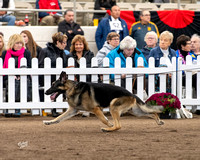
[[2, 45], [16, 50], [111, 42], [53, 51], [111, 24], [195, 44], [5, 16], [30, 43], [49, 18], [184, 47], [127, 48], [79, 48], [163, 50], [102, 5], [69, 27], [151, 40]]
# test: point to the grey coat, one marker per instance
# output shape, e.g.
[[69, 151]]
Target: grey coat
[[101, 54]]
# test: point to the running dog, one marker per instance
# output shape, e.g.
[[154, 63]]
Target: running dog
[[93, 97]]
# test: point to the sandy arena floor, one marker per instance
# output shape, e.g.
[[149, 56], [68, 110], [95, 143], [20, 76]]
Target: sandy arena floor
[[80, 138]]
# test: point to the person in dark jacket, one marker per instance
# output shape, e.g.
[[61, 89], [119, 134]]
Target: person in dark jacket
[[16, 50], [69, 27], [151, 40], [53, 51], [102, 5], [111, 24], [80, 48]]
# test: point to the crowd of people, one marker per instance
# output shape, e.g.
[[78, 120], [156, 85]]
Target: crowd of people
[[113, 39]]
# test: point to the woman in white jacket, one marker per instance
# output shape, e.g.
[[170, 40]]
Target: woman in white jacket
[[112, 41]]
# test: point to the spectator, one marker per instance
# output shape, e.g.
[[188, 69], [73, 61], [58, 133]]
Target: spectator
[[80, 48], [184, 47], [163, 50], [151, 40], [49, 18], [53, 51], [30, 44], [139, 29], [2, 45], [16, 50], [111, 42], [111, 24], [69, 27], [127, 48], [5, 16], [195, 44], [102, 5]]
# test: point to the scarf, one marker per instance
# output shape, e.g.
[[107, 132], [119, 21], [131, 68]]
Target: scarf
[[10, 53]]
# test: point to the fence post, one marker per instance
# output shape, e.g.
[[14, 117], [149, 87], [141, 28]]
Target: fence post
[[198, 82], [83, 65], [11, 84], [117, 78], [140, 79], [106, 77], [94, 64], [129, 77], [151, 78]]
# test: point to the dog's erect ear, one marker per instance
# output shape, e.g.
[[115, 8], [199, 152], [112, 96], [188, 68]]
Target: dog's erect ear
[[63, 77]]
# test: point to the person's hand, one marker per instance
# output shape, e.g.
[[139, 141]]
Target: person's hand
[[102, 8], [79, 29], [123, 76], [2, 13], [70, 31]]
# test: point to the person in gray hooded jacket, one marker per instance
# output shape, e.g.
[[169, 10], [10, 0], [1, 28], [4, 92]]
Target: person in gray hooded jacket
[[112, 41]]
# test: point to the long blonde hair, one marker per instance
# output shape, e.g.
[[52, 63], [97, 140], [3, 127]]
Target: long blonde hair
[[3, 48], [14, 39]]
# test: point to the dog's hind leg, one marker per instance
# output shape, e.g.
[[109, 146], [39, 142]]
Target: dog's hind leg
[[66, 115], [156, 117], [118, 106], [98, 112]]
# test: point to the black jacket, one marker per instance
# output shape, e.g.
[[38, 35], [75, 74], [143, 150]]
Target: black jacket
[[64, 27], [107, 4], [88, 55], [53, 53]]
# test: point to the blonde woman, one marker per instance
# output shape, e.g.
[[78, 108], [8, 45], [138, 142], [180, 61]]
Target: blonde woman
[[16, 50], [2, 45]]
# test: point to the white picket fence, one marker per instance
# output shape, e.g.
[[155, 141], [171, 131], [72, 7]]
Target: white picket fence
[[35, 105]]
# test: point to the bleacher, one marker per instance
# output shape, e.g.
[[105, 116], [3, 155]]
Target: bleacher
[[85, 19]]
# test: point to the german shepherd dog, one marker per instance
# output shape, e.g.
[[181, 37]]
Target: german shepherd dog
[[93, 97]]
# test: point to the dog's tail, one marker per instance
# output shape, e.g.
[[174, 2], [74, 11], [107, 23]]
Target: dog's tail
[[148, 108], [151, 109]]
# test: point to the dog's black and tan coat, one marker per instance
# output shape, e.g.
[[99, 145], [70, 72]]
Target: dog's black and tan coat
[[93, 97]]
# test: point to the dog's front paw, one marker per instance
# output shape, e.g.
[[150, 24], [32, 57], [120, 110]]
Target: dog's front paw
[[47, 122], [161, 123]]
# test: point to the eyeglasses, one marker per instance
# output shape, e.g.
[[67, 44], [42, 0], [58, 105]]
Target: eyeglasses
[[146, 15], [150, 38], [115, 39], [64, 42], [188, 43]]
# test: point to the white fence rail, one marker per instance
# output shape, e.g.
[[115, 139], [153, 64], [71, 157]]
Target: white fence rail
[[35, 105]]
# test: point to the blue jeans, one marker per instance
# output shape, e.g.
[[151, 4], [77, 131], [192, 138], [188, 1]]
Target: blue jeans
[[8, 18]]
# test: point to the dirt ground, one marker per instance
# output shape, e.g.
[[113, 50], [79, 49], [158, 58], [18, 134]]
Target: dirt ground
[[81, 138]]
